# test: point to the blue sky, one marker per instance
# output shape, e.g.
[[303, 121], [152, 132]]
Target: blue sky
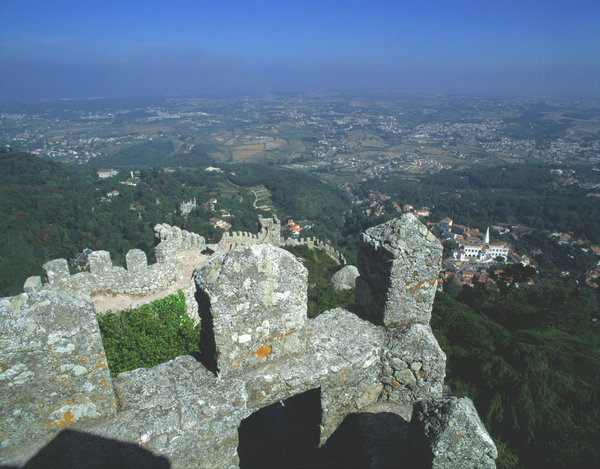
[[128, 47]]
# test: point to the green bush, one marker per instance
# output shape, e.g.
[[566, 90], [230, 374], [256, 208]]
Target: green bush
[[149, 335]]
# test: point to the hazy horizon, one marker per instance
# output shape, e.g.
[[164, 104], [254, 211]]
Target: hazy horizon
[[68, 49]]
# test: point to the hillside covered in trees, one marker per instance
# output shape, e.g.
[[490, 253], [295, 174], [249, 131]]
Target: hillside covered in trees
[[51, 210]]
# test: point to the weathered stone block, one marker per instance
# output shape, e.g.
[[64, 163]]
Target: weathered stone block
[[345, 278], [99, 262], [54, 370], [56, 271], [165, 252], [414, 365], [136, 261], [399, 264], [254, 299], [454, 436], [32, 284]]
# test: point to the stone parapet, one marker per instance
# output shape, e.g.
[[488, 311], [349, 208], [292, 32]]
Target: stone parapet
[[259, 348], [54, 371], [452, 435], [255, 300], [399, 263], [140, 278]]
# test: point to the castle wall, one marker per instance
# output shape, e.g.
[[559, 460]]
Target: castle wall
[[138, 278], [54, 371], [253, 308]]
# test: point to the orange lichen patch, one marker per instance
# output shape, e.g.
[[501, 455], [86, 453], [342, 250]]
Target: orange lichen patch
[[100, 365], [409, 282], [459, 436], [421, 373], [68, 419], [396, 384], [421, 282], [279, 336], [432, 283], [264, 351]]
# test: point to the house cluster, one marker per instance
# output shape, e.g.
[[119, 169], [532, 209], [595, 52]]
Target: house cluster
[[295, 228], [419, 213], [105, 173], [218, 223], [210, 204], [472, 243]]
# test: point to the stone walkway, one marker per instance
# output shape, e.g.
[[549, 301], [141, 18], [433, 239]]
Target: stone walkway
[[188, 261]]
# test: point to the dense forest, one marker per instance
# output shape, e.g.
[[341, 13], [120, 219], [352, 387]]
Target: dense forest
[[530, 360]]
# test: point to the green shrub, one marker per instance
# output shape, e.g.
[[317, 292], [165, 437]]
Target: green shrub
[[149, 335]]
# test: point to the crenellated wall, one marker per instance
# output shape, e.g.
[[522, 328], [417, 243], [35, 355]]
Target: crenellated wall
[[137, 278], [258, 348], [315, 243]]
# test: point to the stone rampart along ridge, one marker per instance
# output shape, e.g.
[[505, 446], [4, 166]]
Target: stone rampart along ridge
[[270, 233], [263, 350], [178, 239], [138, 278], [269, 230], [399, 264]]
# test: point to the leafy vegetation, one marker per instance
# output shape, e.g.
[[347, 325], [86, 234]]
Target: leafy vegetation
[[321, 294], [521, 194], [149, 335], [537, 388]]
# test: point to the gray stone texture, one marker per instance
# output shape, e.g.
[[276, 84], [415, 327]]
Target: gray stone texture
[[454, 436], [56, 271], [53, 369], [136, 261], [399, 263], [252, 303], [180, 410], [99, 262], [33, 283], [345, 278], [178, 239], [255, 301], [414, 365]]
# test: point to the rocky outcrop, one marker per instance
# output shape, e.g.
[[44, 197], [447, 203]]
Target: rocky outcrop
[[452, 434], [345, 278]]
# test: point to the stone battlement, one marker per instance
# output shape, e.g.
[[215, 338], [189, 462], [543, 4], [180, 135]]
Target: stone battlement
[[138, 278], [258, 348]]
